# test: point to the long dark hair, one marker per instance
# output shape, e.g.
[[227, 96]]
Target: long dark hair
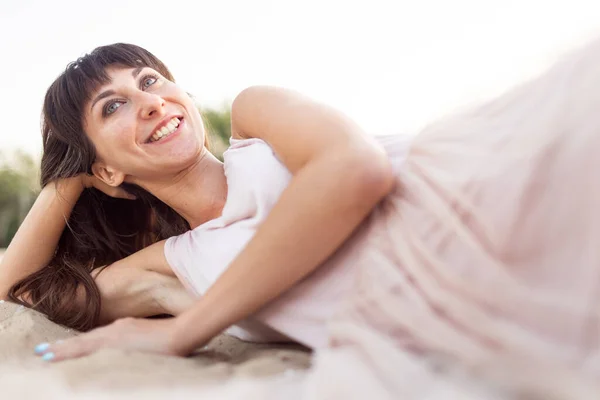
[[101, 229]]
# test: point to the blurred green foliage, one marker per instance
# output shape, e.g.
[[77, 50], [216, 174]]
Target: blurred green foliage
[[18, 189], [19, 171], [218, 125]]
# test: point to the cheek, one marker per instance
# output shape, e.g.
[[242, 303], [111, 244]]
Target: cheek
[[175, 93], [115, 143], [197, 122], [122, 134]]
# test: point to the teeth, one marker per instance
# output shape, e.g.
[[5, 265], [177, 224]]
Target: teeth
[[166, 130]]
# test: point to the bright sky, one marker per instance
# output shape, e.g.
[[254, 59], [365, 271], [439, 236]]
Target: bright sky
[[392, 65]]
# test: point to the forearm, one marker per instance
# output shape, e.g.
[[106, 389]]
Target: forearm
[[321, 207], [35, 242]]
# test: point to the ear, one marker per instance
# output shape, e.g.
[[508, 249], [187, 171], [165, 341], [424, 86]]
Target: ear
[[108, 175]]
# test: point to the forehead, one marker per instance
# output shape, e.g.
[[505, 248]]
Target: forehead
[[116, 73]]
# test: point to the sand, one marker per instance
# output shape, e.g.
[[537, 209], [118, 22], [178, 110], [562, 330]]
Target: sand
[[224, 361], [224, 368]]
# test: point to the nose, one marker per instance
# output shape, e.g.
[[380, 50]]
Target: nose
[[151, 105]]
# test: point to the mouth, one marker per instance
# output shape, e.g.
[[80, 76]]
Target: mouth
[[166, 129]]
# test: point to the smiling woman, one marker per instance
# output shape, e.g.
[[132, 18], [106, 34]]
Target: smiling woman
[[369, 250], [105, 225], [126, 161]]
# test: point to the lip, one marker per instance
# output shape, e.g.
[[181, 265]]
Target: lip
[[162, 123], [170, 137]]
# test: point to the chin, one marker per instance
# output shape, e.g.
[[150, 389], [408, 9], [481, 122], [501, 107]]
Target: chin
[[184, 147], [184, 157]]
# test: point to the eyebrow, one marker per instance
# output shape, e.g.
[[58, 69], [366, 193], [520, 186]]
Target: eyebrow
[[108, 93], [137, 71], [101, 96]]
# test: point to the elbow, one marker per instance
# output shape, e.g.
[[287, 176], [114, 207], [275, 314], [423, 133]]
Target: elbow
[[373, 176]]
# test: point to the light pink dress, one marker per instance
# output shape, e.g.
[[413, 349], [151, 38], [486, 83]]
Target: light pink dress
[[255, 180], [483, 265]]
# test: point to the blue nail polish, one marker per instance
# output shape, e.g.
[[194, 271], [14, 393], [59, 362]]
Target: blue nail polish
[[42, 347], [48, 356]]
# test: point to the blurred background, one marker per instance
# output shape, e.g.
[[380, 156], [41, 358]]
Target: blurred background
[[391, 65]]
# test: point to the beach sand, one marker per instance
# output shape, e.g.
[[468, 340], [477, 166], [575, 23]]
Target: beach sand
[[225, 368], [225, 360]]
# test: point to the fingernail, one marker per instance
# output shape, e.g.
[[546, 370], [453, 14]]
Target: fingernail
[[42, 347], [48, 356]]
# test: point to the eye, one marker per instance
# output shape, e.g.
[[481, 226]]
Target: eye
[[147, 81], [111, 107]]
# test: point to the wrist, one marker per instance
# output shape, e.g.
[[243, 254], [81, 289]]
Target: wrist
[[84, 180], [185, 338], [177, 344], [69, 187]]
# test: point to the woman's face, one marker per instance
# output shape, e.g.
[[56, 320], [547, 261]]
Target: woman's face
[[144, 127]]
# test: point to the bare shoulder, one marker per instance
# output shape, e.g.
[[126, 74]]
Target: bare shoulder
[[297, 127], [256, 104]]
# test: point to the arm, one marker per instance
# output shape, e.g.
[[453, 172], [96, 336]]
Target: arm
[[34, 244], [339, 176], [141, 285]]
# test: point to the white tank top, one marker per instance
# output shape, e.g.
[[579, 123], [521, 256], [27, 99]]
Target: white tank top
[[255, 180]]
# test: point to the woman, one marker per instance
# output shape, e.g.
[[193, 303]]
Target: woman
[[458, 252], [144, 133]]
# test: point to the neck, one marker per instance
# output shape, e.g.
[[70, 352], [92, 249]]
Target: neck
[[197, 193]]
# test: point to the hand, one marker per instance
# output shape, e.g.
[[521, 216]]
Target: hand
[[147, 336], [89, 181]]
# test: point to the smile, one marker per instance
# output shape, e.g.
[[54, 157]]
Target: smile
[[166, 130]]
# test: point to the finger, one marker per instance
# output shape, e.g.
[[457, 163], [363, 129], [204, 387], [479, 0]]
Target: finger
[[126, 196], [122, 194], [67, 349]]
